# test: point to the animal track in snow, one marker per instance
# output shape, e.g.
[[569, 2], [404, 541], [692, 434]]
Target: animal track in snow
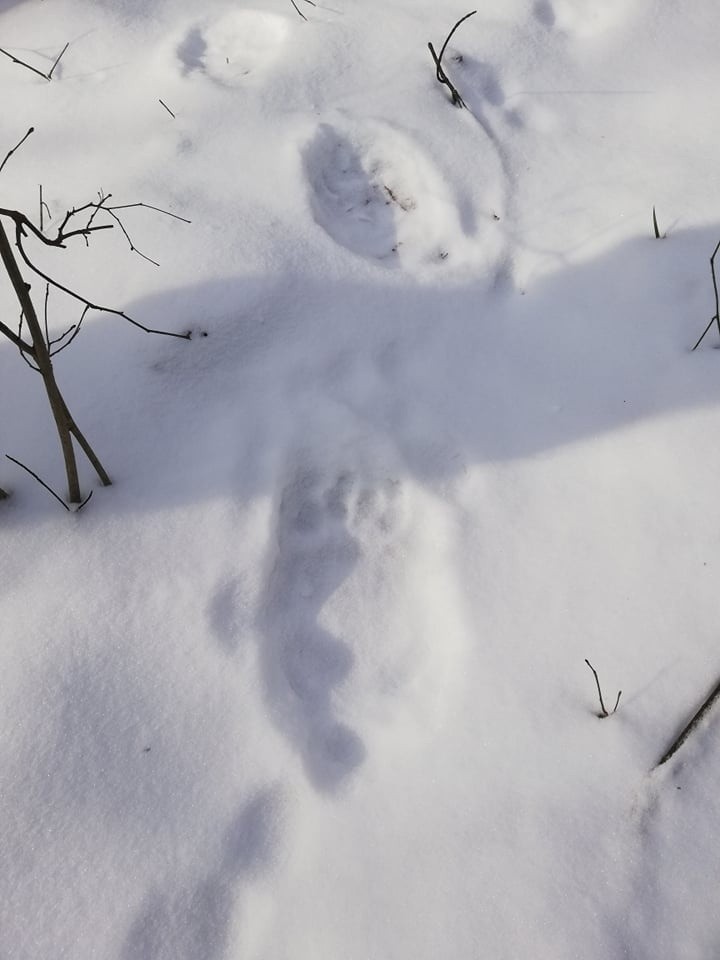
[[583, 18], [320, 524], [375, 193], [233, 46], [194, 918]]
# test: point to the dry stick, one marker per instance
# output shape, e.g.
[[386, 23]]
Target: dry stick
[[44, 208], [17, 339], [655, 226], [300, 13], [16, 147], [716, 318], [148, 206], [133, 248], [74, 329], [687, 730], [86, 449], [439, 72], [42, 358], [23, 64], [167, 108], [41, 482], [602, 704], [60, 56], [45, 314]]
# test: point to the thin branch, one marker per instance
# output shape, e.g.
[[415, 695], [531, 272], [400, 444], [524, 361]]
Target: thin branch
[[439, 72], [716, 318], [655, 226], [75, 327], [44, 208], [597, 681], [81, 299], [59, 58], [702, 335], [31, 365], [41, 482], [167, 108], [133, 248], [16, 147], [299, 11], [22, 346], [603, 712], [148, 206], [81, 505], [45, 314], [23, 64], [688, 729]]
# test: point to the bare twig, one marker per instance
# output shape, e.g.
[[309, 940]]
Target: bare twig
[[16, 147], [88, 303], [149, 206], [45, 314], [23, 225], [22, 346], [655, 226], [59, 58], [44, 208], [603, 712], [716, 318], [439, 72], [22, 63], [41, 482], [133, 248], [45, 76], [74, 329], [299, 11], [167, 108], [694, 722]]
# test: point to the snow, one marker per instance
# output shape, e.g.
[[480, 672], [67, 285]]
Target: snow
[[308, 680]]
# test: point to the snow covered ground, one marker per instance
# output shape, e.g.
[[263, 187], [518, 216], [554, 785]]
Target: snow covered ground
[[308, 680]]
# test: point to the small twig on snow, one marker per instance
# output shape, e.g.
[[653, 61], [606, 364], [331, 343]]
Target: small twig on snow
[[656, 229], [299, 11], [59, 58], [603, 712], [439, 72], [167, 108], [16, 147], [41, 482]]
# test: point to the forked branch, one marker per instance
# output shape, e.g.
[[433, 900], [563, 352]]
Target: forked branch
[[67, 231], [603, 712], [21, 63]]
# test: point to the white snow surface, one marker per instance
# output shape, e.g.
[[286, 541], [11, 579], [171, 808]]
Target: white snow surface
[[307, 682]]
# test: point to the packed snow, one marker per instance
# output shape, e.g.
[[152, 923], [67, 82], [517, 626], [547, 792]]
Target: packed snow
[[308, 681]]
